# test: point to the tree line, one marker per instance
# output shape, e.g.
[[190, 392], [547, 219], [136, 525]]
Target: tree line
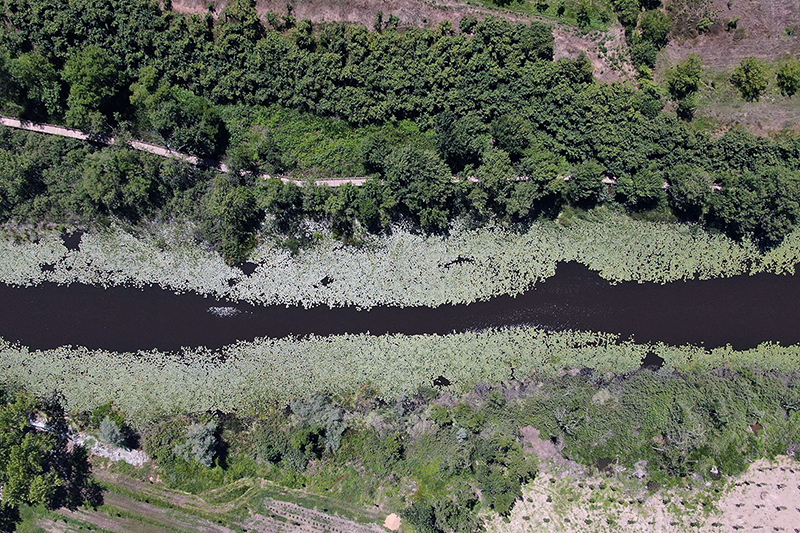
[[485, 99]]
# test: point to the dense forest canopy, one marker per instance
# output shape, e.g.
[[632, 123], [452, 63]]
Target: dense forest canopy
[[410, 106]]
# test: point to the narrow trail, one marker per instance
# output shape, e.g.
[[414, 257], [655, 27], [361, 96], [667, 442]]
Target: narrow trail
[[162, 151]]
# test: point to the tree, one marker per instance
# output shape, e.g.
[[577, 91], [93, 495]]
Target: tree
[[655, 27], [231, 219], [257, 154], [93, 76], [690, 190], [684, 78], [421, 183], [495, 185], [461, 141], [512, 134], [375, 150], [200, 444], [641, 191], [585, 186], [750, 78], [39, 83], [36, 465], [789, 77], [186, 122], [121, 181]]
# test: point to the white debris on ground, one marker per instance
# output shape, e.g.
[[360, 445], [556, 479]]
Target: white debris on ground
[[114, 453]]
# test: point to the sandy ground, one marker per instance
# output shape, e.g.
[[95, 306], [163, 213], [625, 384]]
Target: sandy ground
[[765, 498], [114, 453]]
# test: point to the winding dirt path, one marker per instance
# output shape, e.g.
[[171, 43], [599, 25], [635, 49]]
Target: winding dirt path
[[162, 151]]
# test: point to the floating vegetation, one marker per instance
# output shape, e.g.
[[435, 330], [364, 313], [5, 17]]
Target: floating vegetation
[[224, 312], [402, 269], [248, 375]]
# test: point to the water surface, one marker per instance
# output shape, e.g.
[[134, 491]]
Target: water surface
[[742, 311]]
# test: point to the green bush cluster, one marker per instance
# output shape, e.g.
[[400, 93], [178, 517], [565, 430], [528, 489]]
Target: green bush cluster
[[486, 100], [37, 464], [450, 460]]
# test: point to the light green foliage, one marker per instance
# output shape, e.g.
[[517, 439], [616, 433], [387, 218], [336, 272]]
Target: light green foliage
[[406, 268], [200, 444], [750, 78], [789, 77], [111, 432], [269, 370]]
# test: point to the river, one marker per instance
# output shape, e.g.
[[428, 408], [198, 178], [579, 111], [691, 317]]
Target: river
[[742, 311]]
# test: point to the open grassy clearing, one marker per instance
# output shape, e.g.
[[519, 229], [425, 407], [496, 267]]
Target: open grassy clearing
[[135, 503], [721, 106]]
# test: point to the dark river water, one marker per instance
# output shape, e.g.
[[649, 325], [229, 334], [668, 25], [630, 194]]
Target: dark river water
[[742, 311]]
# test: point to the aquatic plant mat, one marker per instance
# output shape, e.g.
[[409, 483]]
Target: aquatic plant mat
[[402, 269], [248, 376]]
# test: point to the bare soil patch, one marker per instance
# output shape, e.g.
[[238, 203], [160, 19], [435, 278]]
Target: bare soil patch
[[765, 498], [767, 30]]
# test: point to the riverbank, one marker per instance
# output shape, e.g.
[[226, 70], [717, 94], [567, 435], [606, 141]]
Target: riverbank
[[246, 376], [401, 269]]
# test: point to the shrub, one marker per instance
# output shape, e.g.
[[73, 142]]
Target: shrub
[[655, 27], [789, 77], [112, 433], [750, 78], [683, 79], [200, 444]]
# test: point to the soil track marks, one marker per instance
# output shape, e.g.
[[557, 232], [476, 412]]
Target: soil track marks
[[242, 505]]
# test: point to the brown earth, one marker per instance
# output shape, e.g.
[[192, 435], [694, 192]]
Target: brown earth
[[767, 29], [765, 498], [569, 42]]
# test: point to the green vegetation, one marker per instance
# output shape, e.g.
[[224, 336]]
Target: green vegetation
[[249, 375], [750, 78], [448, 462], [36, 465], [485, 100], [789, 77], [404, 268]]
